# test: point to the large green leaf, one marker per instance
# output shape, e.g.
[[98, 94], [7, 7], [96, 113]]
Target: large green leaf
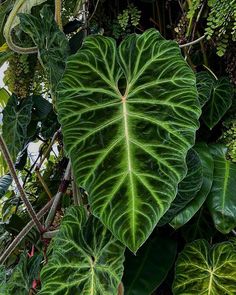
[[86, 258], [216, 95], [128, 116], [222, 199], [148, 269], [202, 269], [50, 40], [194, 205], [16, 117], [188, 187]]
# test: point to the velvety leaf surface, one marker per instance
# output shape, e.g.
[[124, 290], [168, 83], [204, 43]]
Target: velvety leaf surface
[[148, 269], [188, 187], [222, 198], [16, 117], [5, 182], [219, 101], [202, 269], [86, 258], [194, 205], [50, 40], [128, 116]]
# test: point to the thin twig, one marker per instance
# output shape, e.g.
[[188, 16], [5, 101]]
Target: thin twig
[[44, 185], [192, 42], [95, 9], [23, 233], [62, 189], [213, 74], [76, 193], [22, 193], [48, 149]]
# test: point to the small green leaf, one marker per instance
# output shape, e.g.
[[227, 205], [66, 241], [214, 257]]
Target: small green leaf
[[19, 281], [16, 117], [51, 42], [217, 97], [188, 187], [5, 8], [86, 258], [5, 182], [148, 269], [204, 86], [206, 270], [4, 96], [128, 116], [221, 200], [194, 205]]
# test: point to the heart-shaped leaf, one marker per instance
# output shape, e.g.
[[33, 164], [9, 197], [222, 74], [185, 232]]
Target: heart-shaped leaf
[[215, 95], [128, 116], [222, 199], [16, 118], [148, 269], [86, 258], [194, 205], [206, 270], [188, 187]]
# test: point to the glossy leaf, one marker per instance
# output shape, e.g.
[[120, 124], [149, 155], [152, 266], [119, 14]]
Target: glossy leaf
[[206, 270], [194, 205], [50, 40], [4, 96], [219, 93], [5, 182], [86, 258], [16, 117], [188, 187], [128, 118], [148, 269], [221, 200]]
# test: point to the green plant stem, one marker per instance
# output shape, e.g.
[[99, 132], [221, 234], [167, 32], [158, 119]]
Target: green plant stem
[[57, 198], [22, 193], [23, 233], [8, 28], [58, 14]]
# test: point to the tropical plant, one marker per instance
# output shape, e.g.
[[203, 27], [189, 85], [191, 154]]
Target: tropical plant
[[117, 164]]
